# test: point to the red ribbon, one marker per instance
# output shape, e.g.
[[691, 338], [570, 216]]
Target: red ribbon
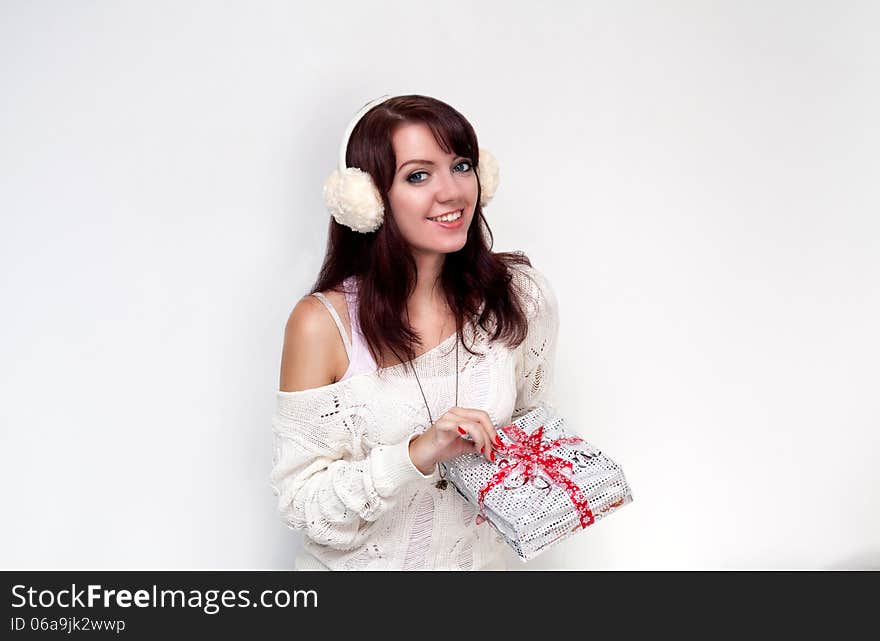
[[528, 456]]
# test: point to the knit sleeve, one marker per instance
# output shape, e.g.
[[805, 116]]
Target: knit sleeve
[[537, 354], [323, 488]]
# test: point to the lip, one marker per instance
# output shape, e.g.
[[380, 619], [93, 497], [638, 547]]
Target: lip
[[451, 211], [453, 225]]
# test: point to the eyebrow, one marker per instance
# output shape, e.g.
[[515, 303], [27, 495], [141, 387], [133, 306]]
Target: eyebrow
[[417, 160], [421, 161]]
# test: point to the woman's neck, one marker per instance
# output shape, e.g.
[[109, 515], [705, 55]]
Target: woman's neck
[[428, 299]]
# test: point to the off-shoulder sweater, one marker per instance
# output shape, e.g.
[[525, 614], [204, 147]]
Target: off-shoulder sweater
[[341, 466]]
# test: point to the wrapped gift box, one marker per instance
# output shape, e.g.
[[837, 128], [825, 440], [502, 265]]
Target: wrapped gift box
[[545, 483]]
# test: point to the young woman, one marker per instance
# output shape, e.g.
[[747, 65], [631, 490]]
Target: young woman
[[415, 344]]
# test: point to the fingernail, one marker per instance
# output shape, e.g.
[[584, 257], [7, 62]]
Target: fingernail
[[461, 430], [497, 440], [481, 450], [491, 456]]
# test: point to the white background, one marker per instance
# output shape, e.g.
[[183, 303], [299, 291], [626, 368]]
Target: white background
[[699, 182]]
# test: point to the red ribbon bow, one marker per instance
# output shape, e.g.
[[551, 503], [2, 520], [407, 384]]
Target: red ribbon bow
[[528, 456]]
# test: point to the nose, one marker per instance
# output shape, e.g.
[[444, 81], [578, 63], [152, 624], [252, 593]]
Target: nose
[[450, 188]]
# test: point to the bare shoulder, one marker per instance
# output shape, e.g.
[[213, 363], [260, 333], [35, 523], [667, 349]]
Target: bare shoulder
[[310, 357]]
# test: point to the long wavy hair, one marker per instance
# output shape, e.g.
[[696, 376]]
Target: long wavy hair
[[382, 260]]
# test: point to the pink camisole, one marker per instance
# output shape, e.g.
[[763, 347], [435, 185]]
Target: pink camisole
[[360, 361]]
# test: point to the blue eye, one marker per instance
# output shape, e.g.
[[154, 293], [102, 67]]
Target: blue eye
[[415, 182], [410, 180]]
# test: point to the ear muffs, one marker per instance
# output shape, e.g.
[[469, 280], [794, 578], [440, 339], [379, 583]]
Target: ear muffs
[[351, 195]]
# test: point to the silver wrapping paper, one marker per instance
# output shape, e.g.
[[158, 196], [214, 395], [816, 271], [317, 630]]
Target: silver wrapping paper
[[532, 515]]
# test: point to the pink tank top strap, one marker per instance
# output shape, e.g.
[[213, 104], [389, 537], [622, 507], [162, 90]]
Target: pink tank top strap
[[360, 359]]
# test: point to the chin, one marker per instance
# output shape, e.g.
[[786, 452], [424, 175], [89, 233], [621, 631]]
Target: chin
[[454, 247], [449, 247]]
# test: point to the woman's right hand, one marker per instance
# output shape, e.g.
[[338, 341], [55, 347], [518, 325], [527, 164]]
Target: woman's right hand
[[446, 438]]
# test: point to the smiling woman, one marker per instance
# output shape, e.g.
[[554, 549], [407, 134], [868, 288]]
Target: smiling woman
[[415, 344]]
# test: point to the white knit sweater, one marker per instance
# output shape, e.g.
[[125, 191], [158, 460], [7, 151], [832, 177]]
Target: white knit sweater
[[341, 466]]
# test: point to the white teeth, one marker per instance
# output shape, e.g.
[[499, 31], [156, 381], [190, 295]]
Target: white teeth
[[448, 217]]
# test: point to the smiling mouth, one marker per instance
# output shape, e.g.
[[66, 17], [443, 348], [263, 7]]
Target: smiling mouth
[[448, 218]]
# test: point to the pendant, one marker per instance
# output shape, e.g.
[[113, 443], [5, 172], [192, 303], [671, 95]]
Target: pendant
[[441, 484]]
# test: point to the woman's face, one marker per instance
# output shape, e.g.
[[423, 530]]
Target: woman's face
[[429, 183]]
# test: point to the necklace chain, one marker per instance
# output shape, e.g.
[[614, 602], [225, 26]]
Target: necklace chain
[[441, 484]]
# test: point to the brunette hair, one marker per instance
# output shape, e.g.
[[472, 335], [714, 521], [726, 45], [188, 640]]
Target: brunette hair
[[382, 260]]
